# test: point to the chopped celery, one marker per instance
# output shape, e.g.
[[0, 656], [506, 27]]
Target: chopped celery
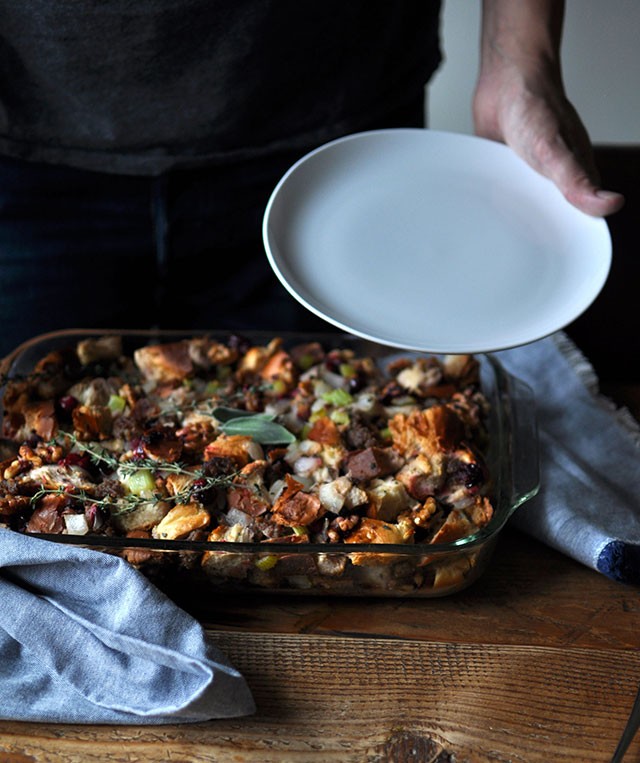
[[265, 563], [340, 417], [348, 371], [279, 386], [116, 404], [386, 433], [306, 361], [140, 482], [337, 397], [317, 415]]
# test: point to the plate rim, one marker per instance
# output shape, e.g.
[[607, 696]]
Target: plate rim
[[280, 267]]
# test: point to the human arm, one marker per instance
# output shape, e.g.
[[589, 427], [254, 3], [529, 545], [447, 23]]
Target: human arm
[[520, 99]]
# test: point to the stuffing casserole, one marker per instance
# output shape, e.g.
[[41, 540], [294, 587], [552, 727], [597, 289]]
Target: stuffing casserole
[[207, 442]]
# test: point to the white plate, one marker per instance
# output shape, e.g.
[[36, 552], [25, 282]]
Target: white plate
[[432, 241]]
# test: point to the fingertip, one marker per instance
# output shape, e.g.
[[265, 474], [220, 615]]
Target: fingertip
[[613, 200], [597, 202]]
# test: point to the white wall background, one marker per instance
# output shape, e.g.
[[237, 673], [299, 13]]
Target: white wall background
[[601, 63]]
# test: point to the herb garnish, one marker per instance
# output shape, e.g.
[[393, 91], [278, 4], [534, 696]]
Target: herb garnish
[[259, 426], [199, 480]]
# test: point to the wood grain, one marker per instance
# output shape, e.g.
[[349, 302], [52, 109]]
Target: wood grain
[[324, 699]]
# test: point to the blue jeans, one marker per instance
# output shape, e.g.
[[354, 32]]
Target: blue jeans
[[89, 250], [82, 249]]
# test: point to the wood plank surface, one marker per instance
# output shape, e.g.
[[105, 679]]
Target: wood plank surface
[[323, 699]]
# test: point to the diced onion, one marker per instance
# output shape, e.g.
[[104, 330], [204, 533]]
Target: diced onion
[[76, 524]]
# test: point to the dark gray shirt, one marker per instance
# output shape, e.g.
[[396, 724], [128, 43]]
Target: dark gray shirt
[[140, 86]]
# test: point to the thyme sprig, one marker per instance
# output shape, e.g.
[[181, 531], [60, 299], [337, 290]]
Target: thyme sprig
[[115, 505], [104, 458], [124, 504], [99, 456], [199, 481]]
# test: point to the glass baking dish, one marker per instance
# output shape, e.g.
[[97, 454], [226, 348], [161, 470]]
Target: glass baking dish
[[328, 569]]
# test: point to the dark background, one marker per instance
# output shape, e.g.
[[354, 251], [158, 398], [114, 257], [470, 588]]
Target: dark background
[[608, 332]]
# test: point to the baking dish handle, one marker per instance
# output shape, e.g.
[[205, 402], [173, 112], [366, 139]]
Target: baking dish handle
[[525, 461]]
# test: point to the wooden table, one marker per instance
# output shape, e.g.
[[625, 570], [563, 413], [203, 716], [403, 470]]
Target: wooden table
[[537, 661]]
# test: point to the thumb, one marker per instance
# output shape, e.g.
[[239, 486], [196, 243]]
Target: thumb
[[577, 179]]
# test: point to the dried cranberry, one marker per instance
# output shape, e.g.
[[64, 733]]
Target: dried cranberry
[[76, 459], [239, 343], [332, 362], [469, 474], [137, 449], [67, 403], [390, 392], [96, 516], [357, 383], [474, 475], [202, 492]]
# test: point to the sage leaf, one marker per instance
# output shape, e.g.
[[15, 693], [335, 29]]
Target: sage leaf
[[224, 413], [261, 429]]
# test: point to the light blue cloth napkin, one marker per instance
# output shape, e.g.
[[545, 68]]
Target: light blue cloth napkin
[[85, 638], [589, 503]]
